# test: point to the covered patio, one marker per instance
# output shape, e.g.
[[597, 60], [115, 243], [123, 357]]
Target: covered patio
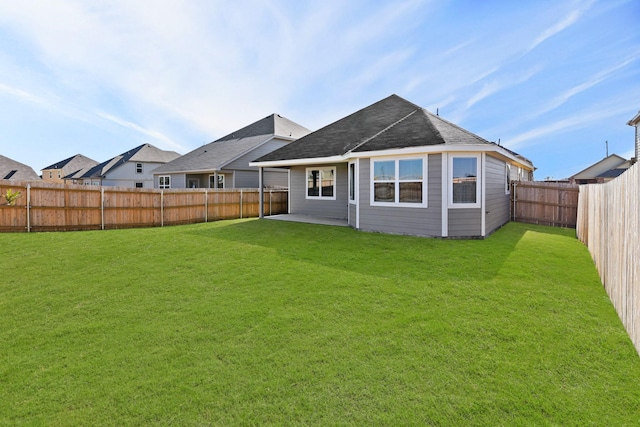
[[309, 219]]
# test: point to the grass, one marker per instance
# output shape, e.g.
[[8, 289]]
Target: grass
[[257, 322]]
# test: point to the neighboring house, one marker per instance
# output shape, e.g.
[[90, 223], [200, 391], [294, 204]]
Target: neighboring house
[[64, 170], [132, 169], [224, 163], [602, 171], [16, 171], [635, 122], [394, 167]]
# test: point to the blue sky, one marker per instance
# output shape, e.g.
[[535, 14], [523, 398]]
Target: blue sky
[[552, 80]]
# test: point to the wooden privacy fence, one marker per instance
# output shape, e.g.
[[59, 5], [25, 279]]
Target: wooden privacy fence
[[609, 224], [57, 207], [544, 203]]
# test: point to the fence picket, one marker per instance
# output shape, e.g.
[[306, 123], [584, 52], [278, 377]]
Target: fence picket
[[609, 224], [59, 207]]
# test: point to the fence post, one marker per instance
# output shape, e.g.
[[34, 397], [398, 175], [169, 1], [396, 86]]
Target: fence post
[[270, 192], [514, 199], [206, 206], [28, 208], [161, 208], [241, 203], [102, 208]]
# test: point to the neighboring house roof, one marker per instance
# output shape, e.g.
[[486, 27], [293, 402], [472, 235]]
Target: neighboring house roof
[[73, 165], [635, 121], [613, 173], [217, 154], [391, 123], [11, 169], [145, 153], [608, 163]]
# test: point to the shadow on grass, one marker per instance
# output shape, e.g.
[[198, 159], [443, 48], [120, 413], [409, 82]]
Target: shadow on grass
[[383, 255]]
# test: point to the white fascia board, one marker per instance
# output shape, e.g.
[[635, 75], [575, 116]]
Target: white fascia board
[[212, 170], [430, 149], [300, 162]]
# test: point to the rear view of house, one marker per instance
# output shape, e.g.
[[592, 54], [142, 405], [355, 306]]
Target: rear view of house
[[394, 167], [224, 163]]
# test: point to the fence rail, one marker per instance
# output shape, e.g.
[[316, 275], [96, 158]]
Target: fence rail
[[58, 207], [544, 203], [609, 224]]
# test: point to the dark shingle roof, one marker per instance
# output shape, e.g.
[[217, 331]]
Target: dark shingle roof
[[11, 169], [391, 123], [217, 154], [73, 165], [143, 153], [613, 173]]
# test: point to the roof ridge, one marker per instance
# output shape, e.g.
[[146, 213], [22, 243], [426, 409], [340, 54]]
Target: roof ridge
[[383, 130], [457, 127]]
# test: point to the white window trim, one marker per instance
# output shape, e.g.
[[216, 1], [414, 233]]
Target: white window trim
[[478, 203], [141, 168], [320, 196], [355, 182], [164, 186], [397, 182], [507, 178]]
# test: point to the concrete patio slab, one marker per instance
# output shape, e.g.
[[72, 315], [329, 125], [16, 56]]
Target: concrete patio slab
[[309, 219]]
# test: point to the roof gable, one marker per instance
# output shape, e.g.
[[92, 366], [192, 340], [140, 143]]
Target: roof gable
[[145, 153], [219, 153], [610, 162], [73, 164]]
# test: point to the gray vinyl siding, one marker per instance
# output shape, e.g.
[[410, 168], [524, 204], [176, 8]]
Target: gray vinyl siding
[[244, 179], [402, 220], [465, 222], [299, 204], [242, 162], [497, 201], [276, 178], [178, 180]]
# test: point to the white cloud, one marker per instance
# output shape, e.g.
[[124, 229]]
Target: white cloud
[[498, 85], [592, 81], [571, 18], [577, 120]]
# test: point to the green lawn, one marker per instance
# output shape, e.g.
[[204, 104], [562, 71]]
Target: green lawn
[[258, 322]]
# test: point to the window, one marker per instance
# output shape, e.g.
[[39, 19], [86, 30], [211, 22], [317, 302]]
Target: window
[[507, 173], [212, 181], [464, 190], [139, 185], [138, 167], [59, 174], [321, 183], [164, 182], [399, 182], [352, 182], [50, 174]]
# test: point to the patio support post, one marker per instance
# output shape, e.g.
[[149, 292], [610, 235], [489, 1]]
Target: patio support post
[[260, 183]]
